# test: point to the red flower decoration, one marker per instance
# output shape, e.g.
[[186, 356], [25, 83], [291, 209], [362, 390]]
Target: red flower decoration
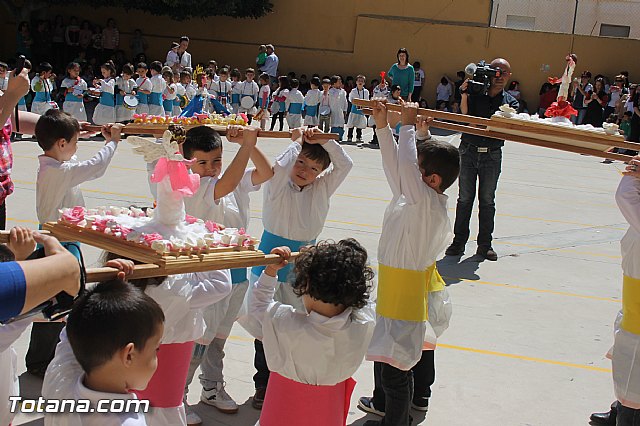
[[560, 109], [149, 238], [211, 226], [190, 219], [74, 216]]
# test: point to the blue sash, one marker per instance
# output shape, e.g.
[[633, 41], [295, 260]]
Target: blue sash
[[295, 108], [119, 99], [22, 101], [283, 107], [176, 102], [42, 97], [270, 241], [238, 275], [70, 97], [107, 99], [312, 110], [235, 98], [355, 110], [260, 103], [167, 104], [155, 98], [143, 98]]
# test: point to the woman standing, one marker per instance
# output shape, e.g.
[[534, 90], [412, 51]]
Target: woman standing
[[110, 39], [596, 102], [403, 74]]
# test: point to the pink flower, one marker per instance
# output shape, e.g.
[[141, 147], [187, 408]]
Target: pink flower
[[149, 238], [125, 231], [100, 224], [74, 216], [241, 231], [211, 226], [190, 219]]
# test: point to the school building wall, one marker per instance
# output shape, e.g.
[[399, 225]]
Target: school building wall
[[357, 36]]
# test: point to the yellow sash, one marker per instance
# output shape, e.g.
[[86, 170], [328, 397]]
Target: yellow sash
[[631, 305], [403, 294]]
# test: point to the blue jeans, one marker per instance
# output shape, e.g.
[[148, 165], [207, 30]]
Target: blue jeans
[[484, 167]]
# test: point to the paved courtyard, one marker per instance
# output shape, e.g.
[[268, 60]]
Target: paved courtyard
[[529, 333]]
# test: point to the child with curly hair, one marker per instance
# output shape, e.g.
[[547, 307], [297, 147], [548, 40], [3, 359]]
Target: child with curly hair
[[313, 352]]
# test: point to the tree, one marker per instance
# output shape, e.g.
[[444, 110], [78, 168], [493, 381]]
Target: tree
[[180, 10]]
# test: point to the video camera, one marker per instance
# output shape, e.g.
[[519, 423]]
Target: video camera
[[481, 81]]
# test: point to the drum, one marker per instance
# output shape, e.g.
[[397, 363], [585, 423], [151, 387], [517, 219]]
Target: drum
[[94, 93], [183, 101], [54, 105], [247, 102], [275, 107], [130, 102]]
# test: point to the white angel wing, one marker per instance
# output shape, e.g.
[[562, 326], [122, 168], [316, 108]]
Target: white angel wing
[[153, 151]]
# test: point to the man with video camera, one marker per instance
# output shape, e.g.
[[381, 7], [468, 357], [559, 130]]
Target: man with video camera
[[480, 157]]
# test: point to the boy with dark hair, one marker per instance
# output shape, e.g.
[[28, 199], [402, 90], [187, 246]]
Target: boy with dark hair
[[337, 320], [293, 105], [101, 356], [222, 198], [158, 85], [411, 305], [60, 173], [338, 105], [295, 207], [143, 88]]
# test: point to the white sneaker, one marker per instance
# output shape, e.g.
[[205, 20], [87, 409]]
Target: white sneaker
[[219, 398]]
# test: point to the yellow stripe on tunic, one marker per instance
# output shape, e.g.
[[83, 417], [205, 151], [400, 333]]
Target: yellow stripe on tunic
[[403, 294], [631, 305]]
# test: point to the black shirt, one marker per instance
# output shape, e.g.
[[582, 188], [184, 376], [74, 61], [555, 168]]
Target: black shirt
[[485, 106]]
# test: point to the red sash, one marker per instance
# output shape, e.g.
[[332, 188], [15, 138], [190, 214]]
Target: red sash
[[293, 403], [166, 387]]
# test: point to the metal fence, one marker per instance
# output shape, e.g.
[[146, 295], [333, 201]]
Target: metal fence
[[616, 18]]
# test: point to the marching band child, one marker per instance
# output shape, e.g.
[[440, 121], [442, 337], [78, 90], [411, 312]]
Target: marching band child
[[222, 88], [74, 97], [101, 356], [158, 84], [169, 94], [380, 90], [42, 85], [263, 99], [415, 230], [60, 173], [311, 103], [295, 206], [338, 104], [125, 85], [248, 90], [105, 111], [293, 105], [235, 96], [144, 85], [278, 101], [336, 321], [222, 198], [324, 108], [180, 94], [189, 87], [356, 118]]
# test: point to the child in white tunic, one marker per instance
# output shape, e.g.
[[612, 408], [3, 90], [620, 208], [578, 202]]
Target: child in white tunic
[[295, 207], [170, 92], [60, 173], [293, 105], [105, 111], [263, 99], [144, 86], [625, 353], [338, 105], [125, 85], [42, 86], [314, 350], [222, 89], [74, 87], [158, 84], [311, 103], [214, 202], [248, 90], [180, 94], [415, 230], [356, 118], [102, 357], [235, 92]]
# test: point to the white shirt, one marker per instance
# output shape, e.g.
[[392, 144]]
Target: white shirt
[[57, 184], [190, 90], [358, 94], [443, 92], [294, 96], [172, 58], [64, 380], [299, 214], [183, 298], [338, 104], [313, 97], [628, 200], [158, 84], [180, 90], [221, 88], [108, 85], [306, 347], [232, 210], [415, 230], [78, 85], [380, 92], [185, 60], [265, 92], [168, 95], [144, 83], [126, 86], [46, 86], [419, 77], [9, 383], [4, 83]]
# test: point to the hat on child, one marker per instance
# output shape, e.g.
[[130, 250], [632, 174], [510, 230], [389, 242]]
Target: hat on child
[[326, 80]]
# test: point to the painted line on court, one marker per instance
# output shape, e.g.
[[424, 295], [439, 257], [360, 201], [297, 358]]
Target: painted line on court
[[492, 353]]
